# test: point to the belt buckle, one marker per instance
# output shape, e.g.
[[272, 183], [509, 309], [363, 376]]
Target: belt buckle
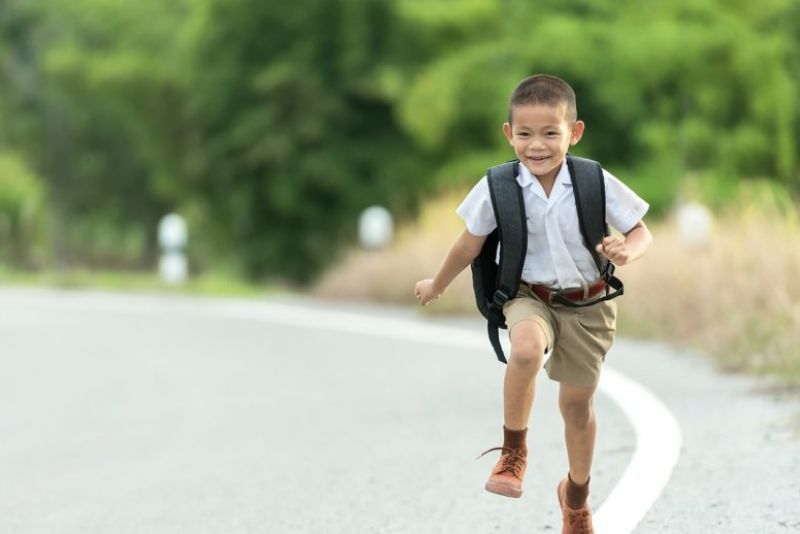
[[555, 292]]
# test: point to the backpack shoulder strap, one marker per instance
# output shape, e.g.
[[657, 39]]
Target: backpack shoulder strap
[[509, 211], [588, 186]]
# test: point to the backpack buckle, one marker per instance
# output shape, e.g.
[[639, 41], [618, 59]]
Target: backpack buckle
[[499, 299], [609, 272]]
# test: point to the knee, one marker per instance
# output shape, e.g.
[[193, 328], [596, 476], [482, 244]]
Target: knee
[[527, 353], [578, 414]]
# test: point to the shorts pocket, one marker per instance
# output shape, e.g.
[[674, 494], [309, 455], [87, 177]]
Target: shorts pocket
[[601, 317], [599, 323]]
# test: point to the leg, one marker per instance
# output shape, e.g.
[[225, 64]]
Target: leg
[[579, 424], [528, 343], [580, 427], [585, 338]]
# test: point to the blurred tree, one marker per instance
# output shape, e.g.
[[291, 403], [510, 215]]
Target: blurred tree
[[272, 125], [100, 89], [666, 89], [20, 212], [296, 127]]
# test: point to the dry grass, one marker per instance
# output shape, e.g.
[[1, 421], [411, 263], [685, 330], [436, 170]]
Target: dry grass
[[737, 298], [418, 251]]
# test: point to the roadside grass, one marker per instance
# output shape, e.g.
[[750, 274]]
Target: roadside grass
[[417, 252], [211, 284], [736, 298]]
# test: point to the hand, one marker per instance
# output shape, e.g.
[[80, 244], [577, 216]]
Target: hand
[[425, 292], [615, 249]]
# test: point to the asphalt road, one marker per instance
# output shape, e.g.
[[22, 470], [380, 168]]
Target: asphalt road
[[164, 415]]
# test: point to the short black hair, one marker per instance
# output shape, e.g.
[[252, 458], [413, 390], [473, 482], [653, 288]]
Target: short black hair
[[543, 89]]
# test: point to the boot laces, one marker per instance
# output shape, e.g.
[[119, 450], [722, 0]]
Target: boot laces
[[511, 461], [579, 520]]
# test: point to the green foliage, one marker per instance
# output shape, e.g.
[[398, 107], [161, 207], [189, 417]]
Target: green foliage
[[296, 136], [20, 188], [272, 125], [20, 211], [706, 86], [101, 119]]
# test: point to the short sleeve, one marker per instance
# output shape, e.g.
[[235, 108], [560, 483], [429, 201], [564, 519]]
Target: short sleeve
[[624, 208], [476, 210]]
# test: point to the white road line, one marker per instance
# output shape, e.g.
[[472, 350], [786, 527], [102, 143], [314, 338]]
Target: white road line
[[658, 436], [658, 446]]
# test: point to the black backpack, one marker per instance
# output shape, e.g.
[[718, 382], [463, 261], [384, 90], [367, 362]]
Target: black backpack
[[496, 283]]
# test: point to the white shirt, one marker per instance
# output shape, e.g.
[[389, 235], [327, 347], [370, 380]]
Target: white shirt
[[556, 255]]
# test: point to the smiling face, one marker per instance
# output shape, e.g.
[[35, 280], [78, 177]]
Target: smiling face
[[541, 135]]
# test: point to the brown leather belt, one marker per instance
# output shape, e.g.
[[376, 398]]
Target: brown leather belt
[[574, 294]]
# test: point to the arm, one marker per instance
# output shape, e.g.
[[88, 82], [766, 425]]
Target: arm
[[622, 251], [464, 250]]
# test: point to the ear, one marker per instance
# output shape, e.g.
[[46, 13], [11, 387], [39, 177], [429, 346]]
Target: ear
[[507, 132], [577, 132]]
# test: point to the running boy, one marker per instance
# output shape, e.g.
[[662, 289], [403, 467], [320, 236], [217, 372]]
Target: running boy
[[542, 125]]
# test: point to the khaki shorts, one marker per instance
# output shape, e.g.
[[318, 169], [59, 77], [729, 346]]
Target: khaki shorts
[[578, 339]]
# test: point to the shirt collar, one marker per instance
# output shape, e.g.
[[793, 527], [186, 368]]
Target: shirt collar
[[562, 178], [524, 178], [563, 181]]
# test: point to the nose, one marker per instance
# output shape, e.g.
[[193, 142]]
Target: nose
[[536, 143]]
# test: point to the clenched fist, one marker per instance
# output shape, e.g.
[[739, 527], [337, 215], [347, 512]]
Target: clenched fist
[[615, 249], [425, 292]]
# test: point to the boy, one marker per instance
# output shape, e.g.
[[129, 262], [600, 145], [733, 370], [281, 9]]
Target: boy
[[542, 125]]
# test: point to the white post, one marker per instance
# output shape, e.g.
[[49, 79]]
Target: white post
[[375, 228], [172, 236], [694, 224]]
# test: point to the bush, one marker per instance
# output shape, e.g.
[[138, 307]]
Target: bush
[[20, 212]]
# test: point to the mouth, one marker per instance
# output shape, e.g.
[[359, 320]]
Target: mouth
[[538, 159]]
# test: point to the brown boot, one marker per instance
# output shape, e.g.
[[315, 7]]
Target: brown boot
[[506, 477], [576, 521]]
